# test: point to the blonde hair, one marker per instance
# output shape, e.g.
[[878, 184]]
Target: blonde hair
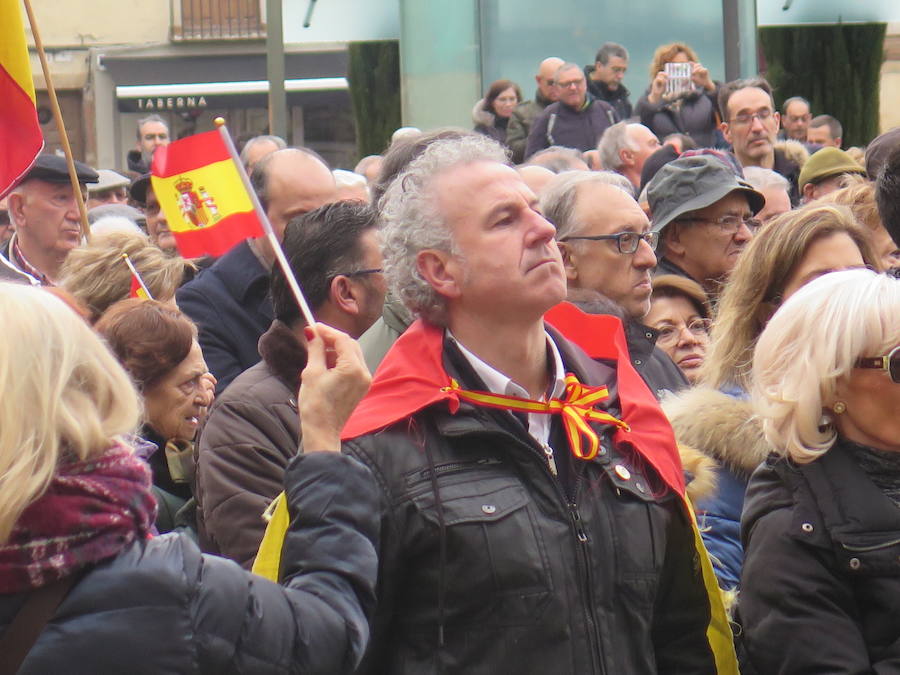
[[858, 194], [665, 53], [97, 275], [63, 392], [810, 346], [755, 286]]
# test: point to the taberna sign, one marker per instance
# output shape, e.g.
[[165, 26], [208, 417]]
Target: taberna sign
[[170, 103]]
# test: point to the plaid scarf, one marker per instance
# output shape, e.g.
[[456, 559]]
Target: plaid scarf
[[91, 511]]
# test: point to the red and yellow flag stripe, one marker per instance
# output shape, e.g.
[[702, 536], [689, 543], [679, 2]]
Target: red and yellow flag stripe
[[20, 132], [203, 196]]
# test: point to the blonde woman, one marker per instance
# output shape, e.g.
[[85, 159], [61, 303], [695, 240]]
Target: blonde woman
[[98, 277], [821, 523], [716, 417], [76, 510]]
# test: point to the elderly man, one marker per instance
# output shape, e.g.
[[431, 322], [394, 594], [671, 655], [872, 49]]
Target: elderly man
[[774, 187], [795, 119], [152, 131], [258, 147], [111, 188], [607, 247], [44, 210], [704, 214], [751, 126], [823, 172], [252, 430], [527, 112], [230, 302], [604, 78], [577, 120], [501, 551], [625, 147]]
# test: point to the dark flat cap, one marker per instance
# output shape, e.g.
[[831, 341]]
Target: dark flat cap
[[53, 169], [693, 183], [138, 189]]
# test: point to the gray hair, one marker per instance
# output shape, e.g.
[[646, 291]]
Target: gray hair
[[793, 99], [558, 158], [761, 178], [612, 142], [568, 65], [278, 141], [559, 198], [411, 221], [610, 49], [150, 118]]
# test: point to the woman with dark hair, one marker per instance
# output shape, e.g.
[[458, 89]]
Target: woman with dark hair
[[492, 113], [157, 345], [85, 589], [691, 111], [821, 524]]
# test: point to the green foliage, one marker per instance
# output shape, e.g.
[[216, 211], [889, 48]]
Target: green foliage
[[374, 76], [836, 68]]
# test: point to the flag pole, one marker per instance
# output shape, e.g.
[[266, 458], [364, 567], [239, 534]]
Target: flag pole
[[60, 125], [267, 226], [137, 276]]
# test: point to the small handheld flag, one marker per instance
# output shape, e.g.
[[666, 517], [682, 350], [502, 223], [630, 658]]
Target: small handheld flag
[[138, 288]]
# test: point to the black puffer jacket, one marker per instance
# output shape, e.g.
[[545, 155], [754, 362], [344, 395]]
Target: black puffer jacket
[[163, 607], [532, 580], [693, 114], [821, 577]]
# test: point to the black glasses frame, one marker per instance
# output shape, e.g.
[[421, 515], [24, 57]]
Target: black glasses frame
[[652, 239]]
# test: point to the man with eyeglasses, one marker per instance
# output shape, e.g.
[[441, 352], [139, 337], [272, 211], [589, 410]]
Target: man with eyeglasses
[[252, 431], [795, 117], [604, 78], [704, 215], [528, 111], [152, 132], [750, 124], [607, 247], [577, 120]]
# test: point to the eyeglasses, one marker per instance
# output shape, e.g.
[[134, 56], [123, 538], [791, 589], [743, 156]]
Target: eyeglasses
[[669, 333], [889, 363], [356, 273], [728, 224], [626, 242], [570, 83], [745, 119]]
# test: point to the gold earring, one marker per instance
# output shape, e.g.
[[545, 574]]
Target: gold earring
[[839, 407]]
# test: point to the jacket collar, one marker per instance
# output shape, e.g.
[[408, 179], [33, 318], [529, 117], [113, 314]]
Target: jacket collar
[[244, 276]]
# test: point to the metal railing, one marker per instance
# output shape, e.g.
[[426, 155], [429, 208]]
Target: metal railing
[[217, 20]]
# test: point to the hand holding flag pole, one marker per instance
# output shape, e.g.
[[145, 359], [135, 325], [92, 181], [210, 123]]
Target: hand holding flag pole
[[267, 226]]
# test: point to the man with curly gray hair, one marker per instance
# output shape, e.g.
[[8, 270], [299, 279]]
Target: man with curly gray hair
[[509, 542]]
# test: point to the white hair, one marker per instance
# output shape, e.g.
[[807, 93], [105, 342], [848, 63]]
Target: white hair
[[612, 142], [114, 224], [411, 221], [560, 195], [761, 178], [810, 346]]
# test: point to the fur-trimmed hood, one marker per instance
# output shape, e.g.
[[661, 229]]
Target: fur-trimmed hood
[[718, 425], [699, 473], [794, 151], [482, 116]]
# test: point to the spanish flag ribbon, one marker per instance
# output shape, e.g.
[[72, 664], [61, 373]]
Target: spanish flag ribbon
[[576, 409]]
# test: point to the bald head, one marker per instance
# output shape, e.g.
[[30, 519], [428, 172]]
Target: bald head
[[535, 177], [546, 77]]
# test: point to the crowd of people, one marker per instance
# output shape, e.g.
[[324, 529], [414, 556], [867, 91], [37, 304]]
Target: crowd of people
[[634, 407]]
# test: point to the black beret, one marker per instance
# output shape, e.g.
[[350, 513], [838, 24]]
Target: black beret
[[53, 169]]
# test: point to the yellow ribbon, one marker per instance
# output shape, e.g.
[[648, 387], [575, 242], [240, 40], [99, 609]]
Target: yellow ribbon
[[576, 408]]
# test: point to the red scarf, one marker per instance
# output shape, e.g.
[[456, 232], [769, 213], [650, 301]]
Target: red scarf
[[412, 377], [91, 511]]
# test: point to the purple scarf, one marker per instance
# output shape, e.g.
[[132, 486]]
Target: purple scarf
[[91, 511]]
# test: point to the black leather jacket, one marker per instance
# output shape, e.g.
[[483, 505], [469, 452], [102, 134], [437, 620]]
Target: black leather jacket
[[490, 564], [820, 584]]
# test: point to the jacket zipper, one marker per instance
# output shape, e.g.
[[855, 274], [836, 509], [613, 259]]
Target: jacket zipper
[[874, 547], [452, 467]]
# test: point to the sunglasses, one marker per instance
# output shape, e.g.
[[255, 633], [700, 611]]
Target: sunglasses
[[889, 363]]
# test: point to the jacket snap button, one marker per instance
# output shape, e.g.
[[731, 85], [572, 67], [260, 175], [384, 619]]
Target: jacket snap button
[[488, 508], [622, 472], [806, 527], [649, 336], [637, 362], [854, 563]]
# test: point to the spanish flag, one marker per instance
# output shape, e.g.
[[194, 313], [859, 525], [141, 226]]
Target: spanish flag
[[203, 196], [137, 289], [20, 132]]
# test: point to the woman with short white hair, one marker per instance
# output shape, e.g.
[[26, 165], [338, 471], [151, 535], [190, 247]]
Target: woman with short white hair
[[821, 521]]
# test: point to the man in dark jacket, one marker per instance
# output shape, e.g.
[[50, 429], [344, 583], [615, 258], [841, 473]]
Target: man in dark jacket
[[229, 301], [577, 120], [252, 430], [604, 78], [607, 248], [152, 132], [527, 112], [509, 542]]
